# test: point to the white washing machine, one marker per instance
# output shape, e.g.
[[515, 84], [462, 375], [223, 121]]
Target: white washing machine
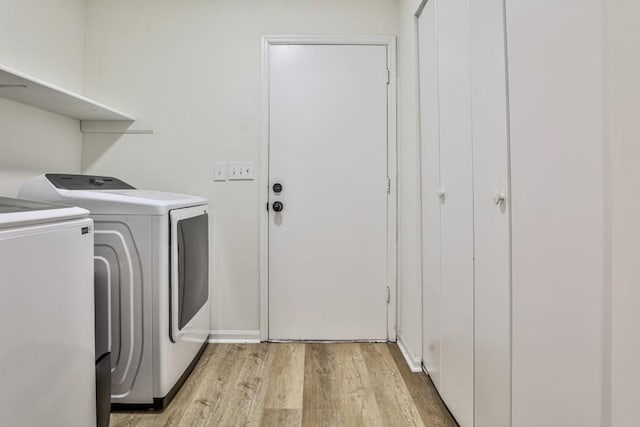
[[152, 251], [46, 316]]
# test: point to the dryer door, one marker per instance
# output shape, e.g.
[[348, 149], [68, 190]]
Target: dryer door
[[189, 267]]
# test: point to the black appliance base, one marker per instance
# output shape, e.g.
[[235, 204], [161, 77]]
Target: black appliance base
[[161, 403]]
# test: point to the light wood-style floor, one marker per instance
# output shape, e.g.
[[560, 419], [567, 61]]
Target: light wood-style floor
[[273, 384]]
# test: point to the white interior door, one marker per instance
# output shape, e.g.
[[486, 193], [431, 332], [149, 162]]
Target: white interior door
[[328, 151], [491, 216], [451, 309], [466, 238], [430, 161]]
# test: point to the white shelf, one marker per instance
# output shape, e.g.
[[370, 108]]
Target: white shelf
[[21, 87]]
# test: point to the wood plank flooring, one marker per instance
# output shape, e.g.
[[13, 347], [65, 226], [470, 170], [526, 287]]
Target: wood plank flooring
[[297, 384]]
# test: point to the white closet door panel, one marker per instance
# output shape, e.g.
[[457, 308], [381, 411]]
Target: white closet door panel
[[559, 225], [456, 383], [491, 216], [430, 160]]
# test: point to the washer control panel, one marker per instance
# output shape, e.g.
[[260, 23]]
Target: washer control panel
[[87, 182]]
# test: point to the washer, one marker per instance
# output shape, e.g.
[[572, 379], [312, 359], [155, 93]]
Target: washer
[[152, 253], [46, 315]]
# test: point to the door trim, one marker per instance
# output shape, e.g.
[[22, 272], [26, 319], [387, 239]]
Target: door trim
[[263, 181]]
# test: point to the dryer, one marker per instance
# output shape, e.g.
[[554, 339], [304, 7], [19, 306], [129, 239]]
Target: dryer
[[152, 253]]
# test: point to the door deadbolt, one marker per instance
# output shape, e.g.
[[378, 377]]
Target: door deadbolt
[[277, 187]]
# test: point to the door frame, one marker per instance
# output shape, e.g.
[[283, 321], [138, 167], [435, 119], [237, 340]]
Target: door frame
[[263, 181]]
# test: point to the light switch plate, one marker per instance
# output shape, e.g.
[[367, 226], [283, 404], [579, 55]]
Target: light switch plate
[[241, 170], [220, 171]]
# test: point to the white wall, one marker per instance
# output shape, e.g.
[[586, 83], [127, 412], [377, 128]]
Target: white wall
[[193, 69], [624, 104], [43, 38], [558, 183], [409, 232]]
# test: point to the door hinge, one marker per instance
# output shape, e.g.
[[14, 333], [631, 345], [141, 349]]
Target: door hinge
[[388, 185], [388, 295], [388, 76]]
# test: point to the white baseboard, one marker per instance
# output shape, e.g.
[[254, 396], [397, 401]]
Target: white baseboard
[[234, 337], [415, 363]]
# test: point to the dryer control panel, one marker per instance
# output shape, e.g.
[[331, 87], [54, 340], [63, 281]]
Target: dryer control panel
[[87, 182]]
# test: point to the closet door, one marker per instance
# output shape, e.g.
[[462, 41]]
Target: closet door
[[456, 166], [491, 215], [430, 166]]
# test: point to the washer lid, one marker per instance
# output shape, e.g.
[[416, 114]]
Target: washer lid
[[20, 213]]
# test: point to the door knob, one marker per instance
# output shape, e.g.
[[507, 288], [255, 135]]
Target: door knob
[[441, 195], [278, 206], [498, 197]]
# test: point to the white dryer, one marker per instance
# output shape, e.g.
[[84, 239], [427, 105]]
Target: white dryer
[[152, 251], [46, 316]]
